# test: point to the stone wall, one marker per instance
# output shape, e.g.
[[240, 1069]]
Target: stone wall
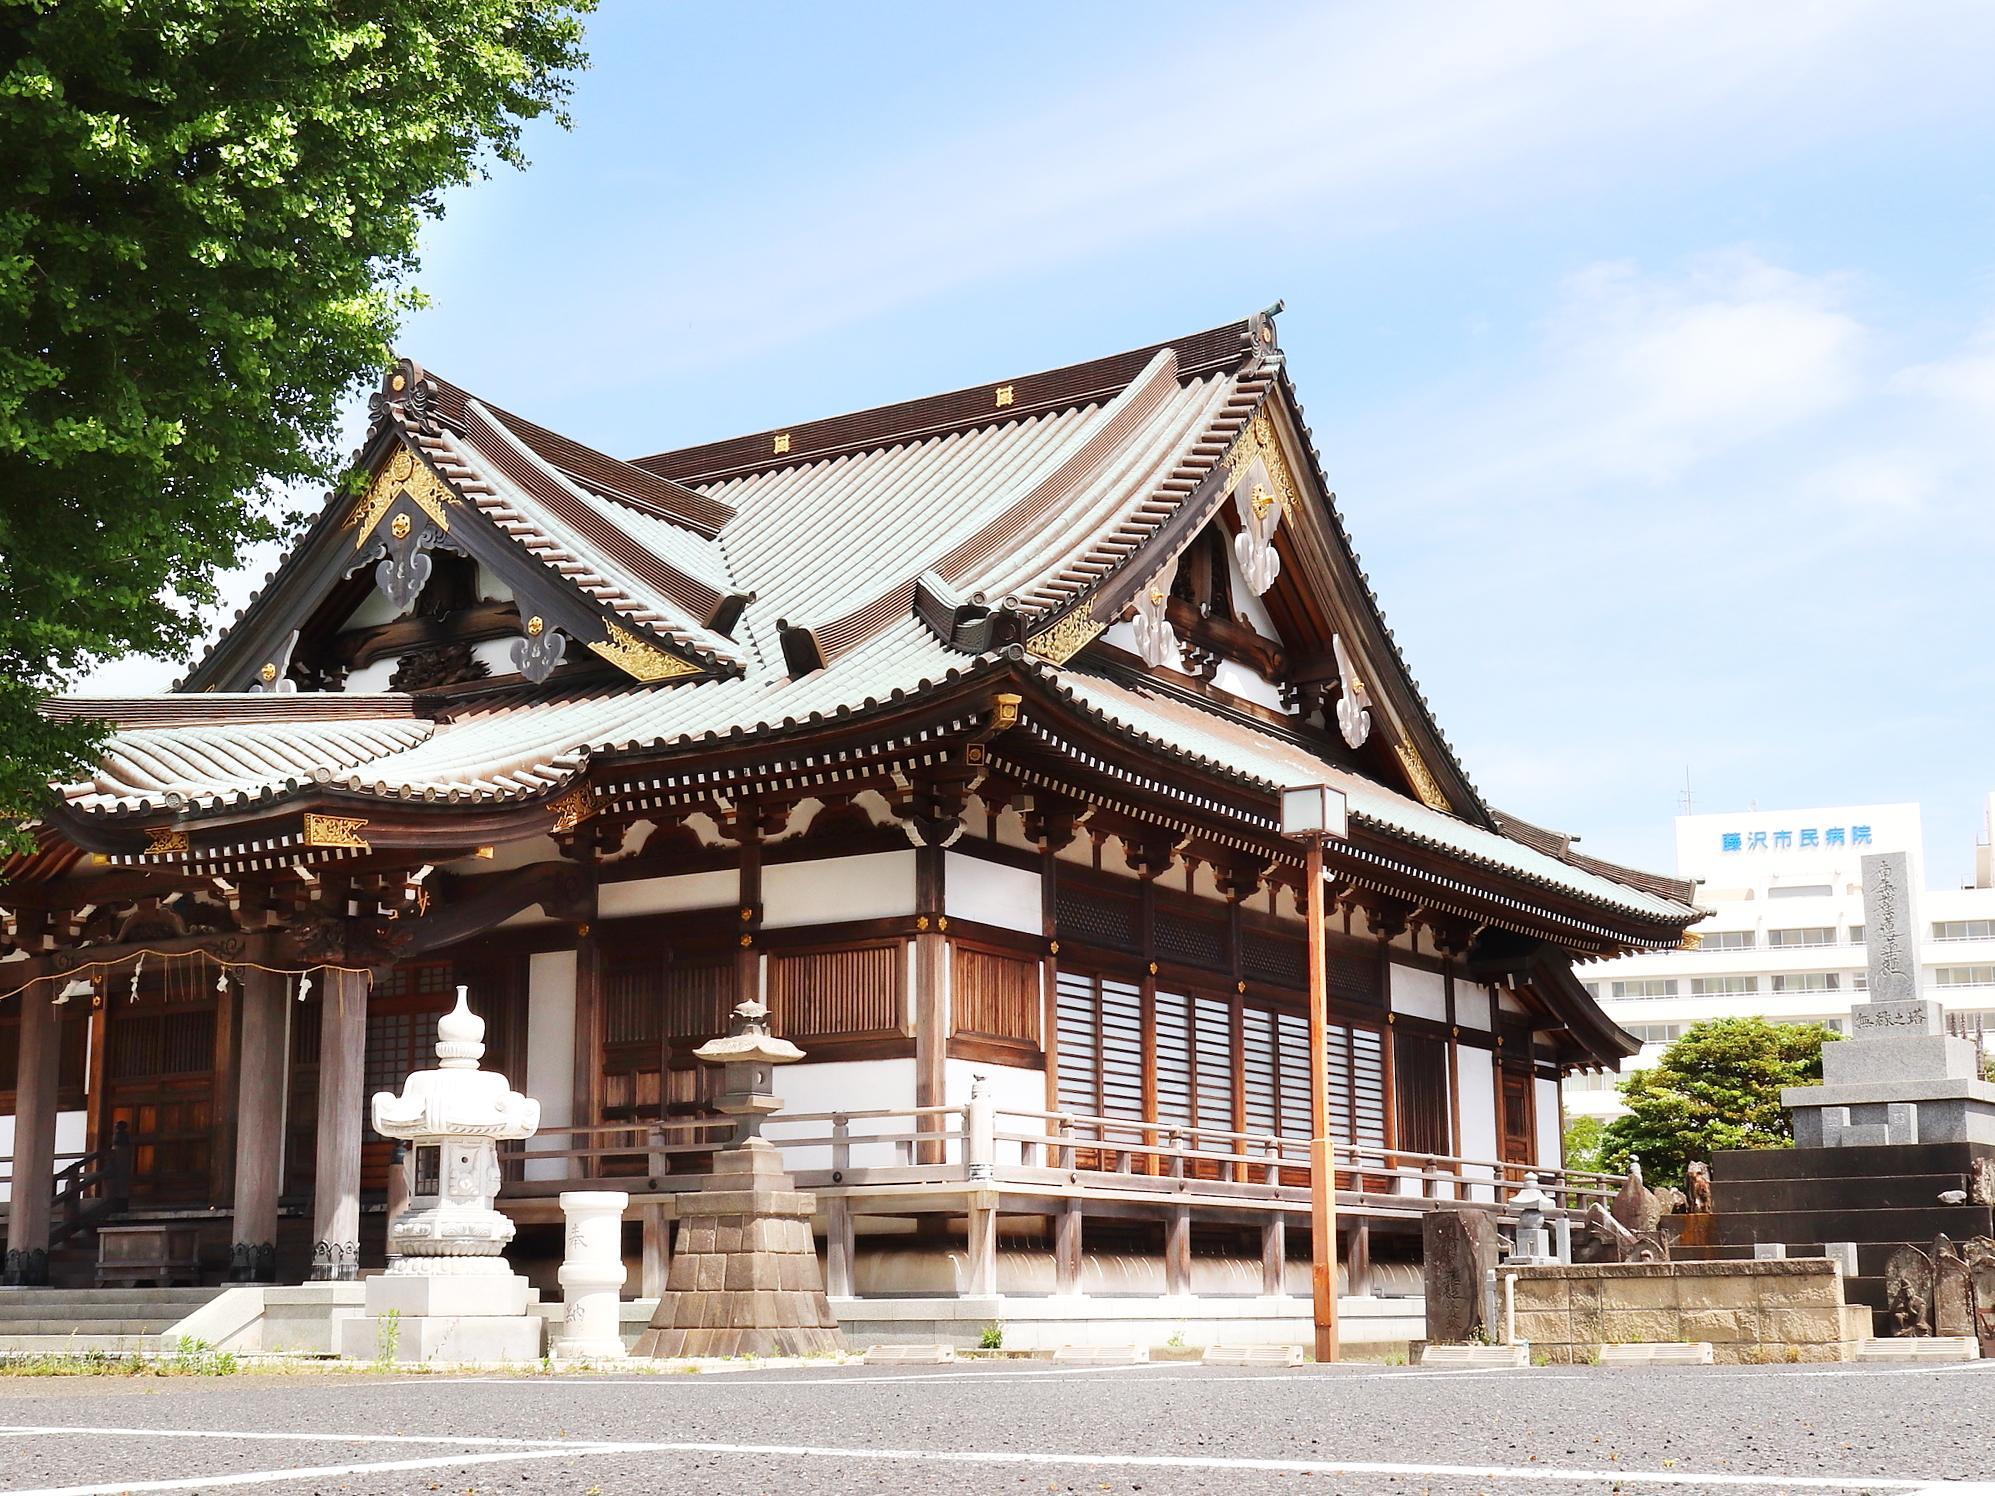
[[1759, 1311]]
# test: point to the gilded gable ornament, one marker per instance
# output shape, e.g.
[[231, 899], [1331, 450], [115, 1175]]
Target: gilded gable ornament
[[1066, 638], [335, 831], [401, 474], [572, 809], [1422, 781], [1354, 718], [639, 659]]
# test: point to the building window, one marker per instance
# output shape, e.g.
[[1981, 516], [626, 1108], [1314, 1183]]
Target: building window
[[1833, 1025], [1856, 934], [1728, 940], [1965, 976], [1646, 987], [1808, 981], [1656, 1033], [1801, 891], [1724, 986], [1964, 929], [1860, 981], [1810, 935]]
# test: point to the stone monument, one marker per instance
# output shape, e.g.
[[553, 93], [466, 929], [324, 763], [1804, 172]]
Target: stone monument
[[449, 1295], [744, 1280], [1457, 1251], [1899, 1077]]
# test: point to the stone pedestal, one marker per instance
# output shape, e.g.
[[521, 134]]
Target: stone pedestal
[[1900, 1079], [745, 1279], [463, 1309], [592, 1272]]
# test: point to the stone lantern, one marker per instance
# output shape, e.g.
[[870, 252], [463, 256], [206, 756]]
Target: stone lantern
[[1533, 1243], [748, 1058], [449, 1289], [745, 1279]]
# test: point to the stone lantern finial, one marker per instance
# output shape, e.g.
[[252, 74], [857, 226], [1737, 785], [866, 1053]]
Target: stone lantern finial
[[460, 1036]]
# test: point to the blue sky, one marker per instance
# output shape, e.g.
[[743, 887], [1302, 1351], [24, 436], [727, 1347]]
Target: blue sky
[[1651, 351]]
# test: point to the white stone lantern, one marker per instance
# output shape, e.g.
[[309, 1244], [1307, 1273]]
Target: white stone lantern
[[450, 1290], [453, 1118]]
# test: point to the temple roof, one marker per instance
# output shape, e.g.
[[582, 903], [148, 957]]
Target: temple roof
[[827, 571]]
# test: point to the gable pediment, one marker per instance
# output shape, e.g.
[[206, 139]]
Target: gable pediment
[[418, 585]]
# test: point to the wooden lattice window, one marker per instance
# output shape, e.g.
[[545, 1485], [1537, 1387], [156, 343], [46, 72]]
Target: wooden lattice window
[[1097, 917], [851, 992], [1101, 1046], [994, 996]]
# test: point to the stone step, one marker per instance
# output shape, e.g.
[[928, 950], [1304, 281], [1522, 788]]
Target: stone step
[[75, 1345], [1252, 1355], [1919, 1349], [1919, 1224], [1817, 1163], [107, 1325], [1100, 1355], [68, 1296], [81, 1315], [1834, 1192], [1484, 1357], [1657, 1353]]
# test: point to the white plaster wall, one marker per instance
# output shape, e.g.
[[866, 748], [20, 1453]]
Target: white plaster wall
[[1478, 1080], [844, 1085], [1244, 683], [718, 889], [1010, 1086], [1509, 1001], [1472, 1006], [1549, 1126], [1423, 994], [70, 1134], [372, 679], [550, 1054], [991, 893], [876, 885]]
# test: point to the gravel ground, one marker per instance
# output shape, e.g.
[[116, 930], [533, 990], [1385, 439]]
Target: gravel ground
[[1012, 1428]]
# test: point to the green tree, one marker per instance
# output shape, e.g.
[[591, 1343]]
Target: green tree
[[208, 213], [1582, 1142], [1716, 1087]]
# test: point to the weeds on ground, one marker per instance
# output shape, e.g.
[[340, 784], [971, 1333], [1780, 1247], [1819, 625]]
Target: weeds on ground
[[992, 1338], [190, 1358]]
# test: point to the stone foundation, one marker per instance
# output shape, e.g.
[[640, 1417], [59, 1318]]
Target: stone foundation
[[1761, 1311], [745, 1279]]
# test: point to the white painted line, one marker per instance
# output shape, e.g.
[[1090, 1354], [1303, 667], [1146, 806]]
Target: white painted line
[[519, 1450], [856, 1378], [479, 1440], [328, 1472]]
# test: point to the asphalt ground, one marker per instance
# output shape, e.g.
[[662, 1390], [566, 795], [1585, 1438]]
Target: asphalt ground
[[1013, 1428]]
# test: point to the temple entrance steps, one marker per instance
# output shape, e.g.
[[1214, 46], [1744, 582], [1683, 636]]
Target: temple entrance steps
[[76, 1320]]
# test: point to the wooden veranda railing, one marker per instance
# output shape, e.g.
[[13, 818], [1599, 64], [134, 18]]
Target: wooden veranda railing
[[977, 1142]]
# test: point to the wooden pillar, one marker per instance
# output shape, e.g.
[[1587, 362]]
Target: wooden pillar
[[1274, 1253], [34, 1137], [1049, 989], [1067, 1247], [1177, 1251], [223, 1094], [931, 997], [656, 1228], [259, 1150], [838, 1247], [747, 959], [1358, 1260], [587, 1091], [342, 1099], [983, 1245]]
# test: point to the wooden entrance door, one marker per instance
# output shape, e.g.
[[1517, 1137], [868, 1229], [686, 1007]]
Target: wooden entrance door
[[1516, 1121], [159, 1078]]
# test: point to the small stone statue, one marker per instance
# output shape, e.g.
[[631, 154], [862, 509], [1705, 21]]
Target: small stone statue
[[1697, 1181]]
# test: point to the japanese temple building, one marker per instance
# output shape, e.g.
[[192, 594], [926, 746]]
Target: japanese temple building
[[952, 729]]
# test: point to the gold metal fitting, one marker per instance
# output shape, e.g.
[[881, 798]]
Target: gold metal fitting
[[1005, 395], [535, 626]]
